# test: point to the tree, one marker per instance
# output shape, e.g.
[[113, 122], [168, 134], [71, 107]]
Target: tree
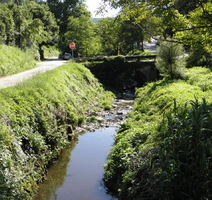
[[197, 35], [62, 10], [43, 26], [109, 32], [81, 30], [170, 61], [188, 23], [131, 37], [7, 25], [27, 24], [139, 20]]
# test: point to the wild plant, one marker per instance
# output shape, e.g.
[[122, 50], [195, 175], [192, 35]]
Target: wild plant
[[170, 60], [185, 152]]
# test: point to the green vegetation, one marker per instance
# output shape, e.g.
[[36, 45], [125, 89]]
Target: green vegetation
[[13, 60], [163, 151], [27, 25], [35, 24], [81, 30], [37, 118], [170, 60], [50, 52], [185, 23], [137, 52], [96, 20]]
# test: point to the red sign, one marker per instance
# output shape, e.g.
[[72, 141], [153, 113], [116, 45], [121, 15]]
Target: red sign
[[72, 45]]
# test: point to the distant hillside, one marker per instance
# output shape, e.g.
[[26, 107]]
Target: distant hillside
[[96, 20]]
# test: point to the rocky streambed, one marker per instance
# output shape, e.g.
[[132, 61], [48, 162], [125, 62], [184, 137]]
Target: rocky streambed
[[107, 118]]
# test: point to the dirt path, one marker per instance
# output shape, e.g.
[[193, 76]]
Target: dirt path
[[12, 80]]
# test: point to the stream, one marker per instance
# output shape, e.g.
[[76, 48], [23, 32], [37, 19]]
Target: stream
[[78, 173]]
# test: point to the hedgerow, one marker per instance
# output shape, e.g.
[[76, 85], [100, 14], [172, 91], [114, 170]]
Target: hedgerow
[[37, 119]]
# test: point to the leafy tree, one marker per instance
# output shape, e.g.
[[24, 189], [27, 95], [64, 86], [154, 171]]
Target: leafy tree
[[185, 7], [81, 30], [27, 24], [7, 26], [198, 35], [140, 19], [44, 26], [109, 32], [62, 10], [185, 22]]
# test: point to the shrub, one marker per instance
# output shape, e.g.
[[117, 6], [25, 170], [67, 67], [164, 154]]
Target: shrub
[[199, 57], [170, 61], [137, 52]]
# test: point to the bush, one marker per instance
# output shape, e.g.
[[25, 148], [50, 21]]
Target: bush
[[199, 57], [170, 61], [137, 52], [50, 51]]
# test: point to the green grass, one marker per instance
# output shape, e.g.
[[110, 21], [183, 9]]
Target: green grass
[[13, 60], [201, 77], [37, 118], [168, 131]]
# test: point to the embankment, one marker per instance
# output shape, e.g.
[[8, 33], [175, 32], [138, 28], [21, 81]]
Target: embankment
[[163, 151], [13, 60], [37, 119]]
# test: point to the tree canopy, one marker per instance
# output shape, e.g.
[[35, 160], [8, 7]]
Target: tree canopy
[[27, 24], [32, 24], [185, 22], [81, 30]]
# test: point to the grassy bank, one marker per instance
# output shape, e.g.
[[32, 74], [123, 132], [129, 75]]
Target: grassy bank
[[38, 117], [13, 60], [163, 151]]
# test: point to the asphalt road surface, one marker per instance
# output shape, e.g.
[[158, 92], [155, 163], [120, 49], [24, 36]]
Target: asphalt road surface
[[12, 80]]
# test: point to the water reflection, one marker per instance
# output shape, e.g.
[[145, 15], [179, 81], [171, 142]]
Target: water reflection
[[78, 173]]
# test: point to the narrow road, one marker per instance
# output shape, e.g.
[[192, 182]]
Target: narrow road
[[12, 80]]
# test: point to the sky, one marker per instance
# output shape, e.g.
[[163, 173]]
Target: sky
[[94, 4]]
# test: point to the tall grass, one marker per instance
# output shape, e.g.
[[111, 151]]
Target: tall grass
[[185, 152], [201, 77], [13, 60]]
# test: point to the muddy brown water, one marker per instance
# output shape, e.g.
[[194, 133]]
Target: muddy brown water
[[78, 173]]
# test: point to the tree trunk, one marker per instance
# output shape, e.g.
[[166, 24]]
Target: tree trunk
[[41, 52]]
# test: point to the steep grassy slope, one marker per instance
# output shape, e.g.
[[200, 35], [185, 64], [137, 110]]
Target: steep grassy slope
[[163, 151], [13, 60], [37, 118]]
